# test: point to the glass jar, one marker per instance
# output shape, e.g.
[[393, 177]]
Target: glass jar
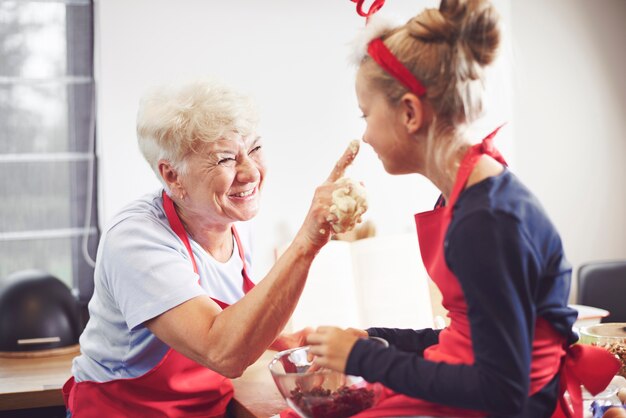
[[611, 336]]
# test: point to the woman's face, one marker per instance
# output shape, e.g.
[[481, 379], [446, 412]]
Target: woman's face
[[224, 180], [384, 130]]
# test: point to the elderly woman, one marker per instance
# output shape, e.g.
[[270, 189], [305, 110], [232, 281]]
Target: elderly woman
[[175, 310]]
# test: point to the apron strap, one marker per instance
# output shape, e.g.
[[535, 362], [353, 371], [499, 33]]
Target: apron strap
[[177, 226], [489, 149], [179, 230], [469, 161], [247, 283]]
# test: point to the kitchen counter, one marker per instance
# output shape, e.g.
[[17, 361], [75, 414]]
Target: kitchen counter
[[256, 394], [36, 382]]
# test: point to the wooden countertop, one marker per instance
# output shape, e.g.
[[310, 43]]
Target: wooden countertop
[[37, 382], [33, 382], [256, 394]]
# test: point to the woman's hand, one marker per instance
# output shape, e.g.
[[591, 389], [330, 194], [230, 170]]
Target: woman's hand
[[332, 346], [286, 341], [317, 227]]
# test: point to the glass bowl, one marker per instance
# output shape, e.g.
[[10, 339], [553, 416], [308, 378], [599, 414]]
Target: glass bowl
[[611, 336], [318, 392]]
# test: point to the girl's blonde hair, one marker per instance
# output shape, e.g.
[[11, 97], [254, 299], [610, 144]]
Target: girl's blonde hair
[[174, 121], [446, 49]]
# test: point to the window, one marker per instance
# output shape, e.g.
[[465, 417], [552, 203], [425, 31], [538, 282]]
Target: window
[[48, 218]]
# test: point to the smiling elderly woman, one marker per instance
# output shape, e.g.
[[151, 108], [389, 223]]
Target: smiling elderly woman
[[160, 341]]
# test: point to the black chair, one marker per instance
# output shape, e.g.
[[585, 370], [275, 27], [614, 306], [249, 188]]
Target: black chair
[[603, 285]]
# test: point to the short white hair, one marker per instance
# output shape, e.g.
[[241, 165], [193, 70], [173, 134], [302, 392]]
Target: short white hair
[[174, 120]]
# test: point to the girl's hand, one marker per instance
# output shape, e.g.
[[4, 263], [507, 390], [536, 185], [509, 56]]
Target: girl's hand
[[358, 332], [287, 341], [331, 346], [317, 227]]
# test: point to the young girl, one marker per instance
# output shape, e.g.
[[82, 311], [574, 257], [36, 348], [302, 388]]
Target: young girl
[[488, 244]]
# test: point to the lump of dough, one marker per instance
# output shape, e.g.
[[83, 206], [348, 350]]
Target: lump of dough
[[349, 203]]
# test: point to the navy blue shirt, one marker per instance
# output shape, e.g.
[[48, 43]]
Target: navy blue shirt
[[509, 260]]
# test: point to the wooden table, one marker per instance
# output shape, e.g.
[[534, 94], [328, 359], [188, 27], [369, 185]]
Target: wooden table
[[34, 382], [37, 382], [256, 394]]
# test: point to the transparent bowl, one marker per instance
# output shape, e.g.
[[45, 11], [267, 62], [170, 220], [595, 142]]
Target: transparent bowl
[[611, 336], [317, 392]]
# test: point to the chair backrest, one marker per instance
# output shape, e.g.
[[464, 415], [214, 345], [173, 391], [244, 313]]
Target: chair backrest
[[603, 285]]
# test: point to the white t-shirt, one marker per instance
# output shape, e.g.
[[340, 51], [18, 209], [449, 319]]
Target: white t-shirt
[[142, 270]]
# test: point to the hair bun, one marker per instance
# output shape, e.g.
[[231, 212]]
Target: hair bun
[[475, 23], [446, 49], [432, 26]]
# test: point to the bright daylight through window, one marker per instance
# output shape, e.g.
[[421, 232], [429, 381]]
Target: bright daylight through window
[[48, 216]]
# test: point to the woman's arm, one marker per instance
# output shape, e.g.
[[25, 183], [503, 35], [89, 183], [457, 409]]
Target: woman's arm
[[229, 341]]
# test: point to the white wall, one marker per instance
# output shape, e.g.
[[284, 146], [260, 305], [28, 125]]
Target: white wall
[[565, 137], [570, 118], [292, 57]]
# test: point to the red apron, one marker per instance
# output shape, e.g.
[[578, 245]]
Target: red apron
[[175, 387], [455, 343]]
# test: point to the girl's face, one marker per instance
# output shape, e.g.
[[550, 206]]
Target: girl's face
[[384, 130]]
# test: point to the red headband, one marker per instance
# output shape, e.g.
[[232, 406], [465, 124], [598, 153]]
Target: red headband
[[376, 5], [383, 56]]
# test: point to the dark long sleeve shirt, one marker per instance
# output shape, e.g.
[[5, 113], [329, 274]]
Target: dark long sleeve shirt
[[509, 261]]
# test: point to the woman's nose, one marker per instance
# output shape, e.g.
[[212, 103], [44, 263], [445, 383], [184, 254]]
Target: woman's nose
[[248, 172]]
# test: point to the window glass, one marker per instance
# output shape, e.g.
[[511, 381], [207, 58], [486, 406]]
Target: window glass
[[45, 117], [47, 161], [44, 195]]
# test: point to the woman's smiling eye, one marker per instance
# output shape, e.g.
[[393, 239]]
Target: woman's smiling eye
[[226, 160], [255, 149]]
